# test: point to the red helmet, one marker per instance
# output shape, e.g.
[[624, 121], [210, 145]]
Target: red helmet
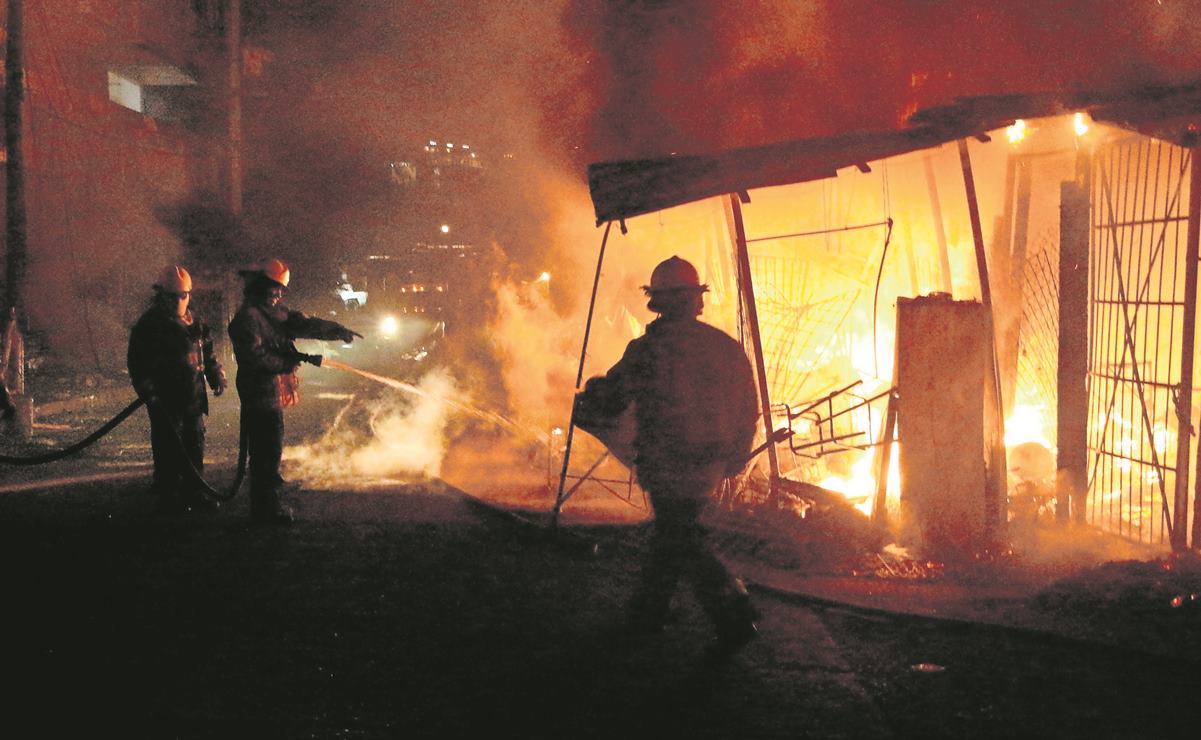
[[174, 279], [273, 269], [675, 274]]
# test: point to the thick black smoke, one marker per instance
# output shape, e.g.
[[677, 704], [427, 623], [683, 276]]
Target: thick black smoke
[[352, 86], [683, 75]]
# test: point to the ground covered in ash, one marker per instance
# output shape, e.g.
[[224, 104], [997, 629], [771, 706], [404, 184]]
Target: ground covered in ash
[[1075, 582]]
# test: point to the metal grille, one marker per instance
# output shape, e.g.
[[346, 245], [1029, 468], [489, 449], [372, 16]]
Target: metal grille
[[1137, 243], [1038, 345], [802, 319]]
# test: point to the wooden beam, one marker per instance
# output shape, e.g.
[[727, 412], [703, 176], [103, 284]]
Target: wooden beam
[[1071, 433], [995, 482]]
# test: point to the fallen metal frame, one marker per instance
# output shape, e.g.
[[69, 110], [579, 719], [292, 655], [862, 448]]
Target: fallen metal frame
[[827, 422], [628, 482]]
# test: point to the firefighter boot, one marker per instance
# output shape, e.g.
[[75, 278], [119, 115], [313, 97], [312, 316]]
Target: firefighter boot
[[265, 508], [195, 502], [735, 624]]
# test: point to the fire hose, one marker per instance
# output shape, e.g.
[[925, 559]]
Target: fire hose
[[190, 470], [110, 425]]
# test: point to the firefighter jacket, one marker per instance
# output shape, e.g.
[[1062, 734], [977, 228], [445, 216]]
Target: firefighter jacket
[[169, 360], [263, 343], [693, 393]]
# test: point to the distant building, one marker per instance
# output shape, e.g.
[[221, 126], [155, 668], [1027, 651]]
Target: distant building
[[119, 131], [438, 165]]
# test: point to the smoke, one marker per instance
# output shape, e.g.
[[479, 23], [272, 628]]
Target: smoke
[[687, 76], [397, 435], [538, 350], [334, 91], [370, 83]]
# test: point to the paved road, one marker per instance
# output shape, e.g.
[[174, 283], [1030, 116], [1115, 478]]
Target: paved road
[[400, 613], [411, 612]]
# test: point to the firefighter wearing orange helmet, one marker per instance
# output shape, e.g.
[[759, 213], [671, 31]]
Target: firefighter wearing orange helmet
[[263, 334], [170, 359], [694, 402]]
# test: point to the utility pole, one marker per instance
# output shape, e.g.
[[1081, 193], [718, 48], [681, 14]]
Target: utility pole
[[233, 39], [15, 258], [14, 170]]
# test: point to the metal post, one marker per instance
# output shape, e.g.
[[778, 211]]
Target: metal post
[[1184, 403], [1072, 363], [994, 489], [16, 256], [579, 378], [747, 289], [888, 433], [233, 36]]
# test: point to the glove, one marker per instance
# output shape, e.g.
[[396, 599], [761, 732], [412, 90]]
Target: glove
[[311, 359], [347, 335], [220, 386]]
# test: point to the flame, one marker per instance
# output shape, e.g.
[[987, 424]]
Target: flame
[[1016, 132], [1027, 423], [1080, 124], [859, 487]]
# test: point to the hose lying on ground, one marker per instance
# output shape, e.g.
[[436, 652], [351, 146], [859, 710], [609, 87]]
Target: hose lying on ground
[[110, 425], [190, 470]]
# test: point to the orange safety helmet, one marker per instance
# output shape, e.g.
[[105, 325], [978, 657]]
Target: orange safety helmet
[[273, 269], [174, 279], [675, 274]]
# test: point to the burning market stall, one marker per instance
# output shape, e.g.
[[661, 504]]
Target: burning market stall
[[1038, 362]]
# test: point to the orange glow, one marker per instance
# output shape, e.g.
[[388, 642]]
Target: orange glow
[[1027, 423], [859, 487], [1080, 124], [1016, 132]]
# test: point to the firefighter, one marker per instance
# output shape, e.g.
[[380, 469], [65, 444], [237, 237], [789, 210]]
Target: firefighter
[[695, 410], [262, 333], [170, 359]]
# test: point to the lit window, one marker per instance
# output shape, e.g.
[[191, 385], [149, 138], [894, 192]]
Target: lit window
[[157, 91]]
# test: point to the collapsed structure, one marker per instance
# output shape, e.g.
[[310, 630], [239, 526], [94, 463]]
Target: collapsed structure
[[1041, 255]]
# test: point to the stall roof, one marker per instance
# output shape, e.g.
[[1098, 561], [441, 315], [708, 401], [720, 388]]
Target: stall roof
[[623, 189]]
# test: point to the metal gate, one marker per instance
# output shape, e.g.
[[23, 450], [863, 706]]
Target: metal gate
[[1141, 312]]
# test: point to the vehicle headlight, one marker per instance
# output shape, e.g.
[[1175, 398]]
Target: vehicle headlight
[[389, 326]]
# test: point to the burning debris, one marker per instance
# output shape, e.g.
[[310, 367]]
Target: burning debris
[[896, 562]]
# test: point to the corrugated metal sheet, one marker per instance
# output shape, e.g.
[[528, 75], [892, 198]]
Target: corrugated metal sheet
[[623, 189]]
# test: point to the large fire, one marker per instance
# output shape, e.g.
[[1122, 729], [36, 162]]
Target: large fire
[[829, 261]]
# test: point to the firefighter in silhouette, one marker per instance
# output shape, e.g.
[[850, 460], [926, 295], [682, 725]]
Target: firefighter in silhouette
[[170, 359], [262, 333], [694, 405]]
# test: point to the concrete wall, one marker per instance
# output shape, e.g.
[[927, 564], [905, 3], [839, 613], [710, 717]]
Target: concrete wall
[[104, 183]]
